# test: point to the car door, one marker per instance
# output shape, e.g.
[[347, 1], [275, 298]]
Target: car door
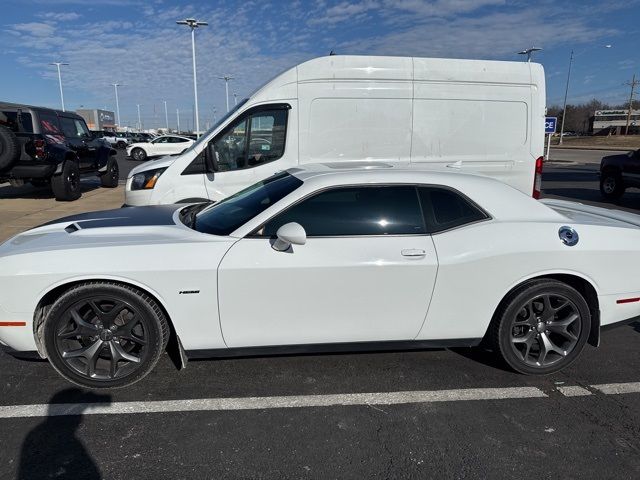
[[159, 146], [366, 272], [78, 139]]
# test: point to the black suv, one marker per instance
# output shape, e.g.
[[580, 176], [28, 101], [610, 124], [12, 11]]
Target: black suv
[[619, 172], [45, 146]]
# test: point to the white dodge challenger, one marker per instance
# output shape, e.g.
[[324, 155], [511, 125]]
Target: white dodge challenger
[[330, 257]]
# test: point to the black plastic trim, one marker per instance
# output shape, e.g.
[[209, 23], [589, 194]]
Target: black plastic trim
[[621, 323], [332, 348]]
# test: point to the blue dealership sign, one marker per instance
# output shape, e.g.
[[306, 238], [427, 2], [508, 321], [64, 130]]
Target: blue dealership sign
[[550, 124]]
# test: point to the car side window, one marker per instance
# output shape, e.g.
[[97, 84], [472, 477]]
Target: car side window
[[254, 140], [69, 127], [445, 209], [349, 211], [50, 124]]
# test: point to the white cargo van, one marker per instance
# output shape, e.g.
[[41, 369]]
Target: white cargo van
[[467, 115]]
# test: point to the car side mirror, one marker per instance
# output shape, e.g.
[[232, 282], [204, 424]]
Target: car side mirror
[[289, 234], [210, 158]]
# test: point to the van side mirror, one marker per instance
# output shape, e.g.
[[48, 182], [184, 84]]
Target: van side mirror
[[210, 158], [289, 234]]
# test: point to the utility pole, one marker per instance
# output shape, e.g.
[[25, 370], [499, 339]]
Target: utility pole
[[566, 91], [139, 121], [178, 119], [115, 86], [226, 79], [633, 84]]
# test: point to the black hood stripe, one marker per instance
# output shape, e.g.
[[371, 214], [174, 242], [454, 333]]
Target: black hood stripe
[[123, 217]]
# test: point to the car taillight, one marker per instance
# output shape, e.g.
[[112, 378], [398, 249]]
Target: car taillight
[[40, 151], [537, 178]]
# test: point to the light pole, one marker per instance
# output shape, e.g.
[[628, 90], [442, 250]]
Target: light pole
[[139, 121], [226, 79], [178, 119], [192, 23], [166, 115], [57, 64], [528, 52], [235, 99], [566, 91], [115, 86]]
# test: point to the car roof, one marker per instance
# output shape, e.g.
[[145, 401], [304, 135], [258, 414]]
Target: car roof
[[497, 198], [14, 106]]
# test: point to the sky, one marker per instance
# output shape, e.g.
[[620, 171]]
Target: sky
[[138, 44]]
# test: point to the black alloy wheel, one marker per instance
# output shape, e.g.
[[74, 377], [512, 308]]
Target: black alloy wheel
[[611, 185], [542, 327], [104, 335]]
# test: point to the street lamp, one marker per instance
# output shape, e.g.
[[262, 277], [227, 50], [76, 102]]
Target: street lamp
[[139, 121], [528, 52], [178, 119], [226, 79], [192, 23], [235, 99], [166, 115], [566, 91], [115, 86], [57, 64]]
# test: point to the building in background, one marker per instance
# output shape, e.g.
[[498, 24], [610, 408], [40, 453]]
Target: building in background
[[614, 122], [98, 119]]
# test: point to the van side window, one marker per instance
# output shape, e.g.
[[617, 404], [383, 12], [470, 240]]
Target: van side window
[[445, 209], [252, 141]]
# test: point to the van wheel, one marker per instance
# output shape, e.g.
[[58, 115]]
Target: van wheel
[[138, 154], [110, 178], [66, 185], [9, 148]]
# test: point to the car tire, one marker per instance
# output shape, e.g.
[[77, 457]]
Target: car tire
[[138, 154], [541, 327], [104, 335], [9, 148], [121, 145], [111, 177], [611, 185], [66, 185]]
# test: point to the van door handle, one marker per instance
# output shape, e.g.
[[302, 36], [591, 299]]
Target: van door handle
[[413, 252]]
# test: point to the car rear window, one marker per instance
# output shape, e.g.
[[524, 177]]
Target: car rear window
[[18, 122]]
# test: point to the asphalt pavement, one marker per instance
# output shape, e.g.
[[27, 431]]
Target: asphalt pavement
[[455, 413]]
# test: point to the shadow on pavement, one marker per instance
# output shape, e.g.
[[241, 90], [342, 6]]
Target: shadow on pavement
[[52, 449], [482, 356]]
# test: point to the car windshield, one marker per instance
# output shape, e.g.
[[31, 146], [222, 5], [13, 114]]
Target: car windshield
[[234, 211], [217, 124]]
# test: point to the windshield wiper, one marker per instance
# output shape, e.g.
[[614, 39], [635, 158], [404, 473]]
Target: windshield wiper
[[188, 216]]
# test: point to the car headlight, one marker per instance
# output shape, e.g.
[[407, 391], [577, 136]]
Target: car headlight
[[146, 180]]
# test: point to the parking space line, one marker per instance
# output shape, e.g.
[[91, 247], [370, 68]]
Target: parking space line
[[261, 403], [618, 388], [574, 391]]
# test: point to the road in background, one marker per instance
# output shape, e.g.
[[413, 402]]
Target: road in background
[[579, 156]]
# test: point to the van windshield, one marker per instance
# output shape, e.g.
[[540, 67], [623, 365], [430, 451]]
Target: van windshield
[[217, 124]]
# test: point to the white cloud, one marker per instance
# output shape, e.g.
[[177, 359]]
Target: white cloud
[[36, 29], [60, 16]]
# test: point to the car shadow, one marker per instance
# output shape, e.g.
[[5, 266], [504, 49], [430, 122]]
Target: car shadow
[[483, 356], [52, 449], [29, 191]]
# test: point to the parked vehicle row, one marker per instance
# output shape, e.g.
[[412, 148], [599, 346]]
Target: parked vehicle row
[[323, 257], [52, 147]]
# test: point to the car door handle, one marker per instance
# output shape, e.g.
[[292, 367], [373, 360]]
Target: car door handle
[[413, 252]]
